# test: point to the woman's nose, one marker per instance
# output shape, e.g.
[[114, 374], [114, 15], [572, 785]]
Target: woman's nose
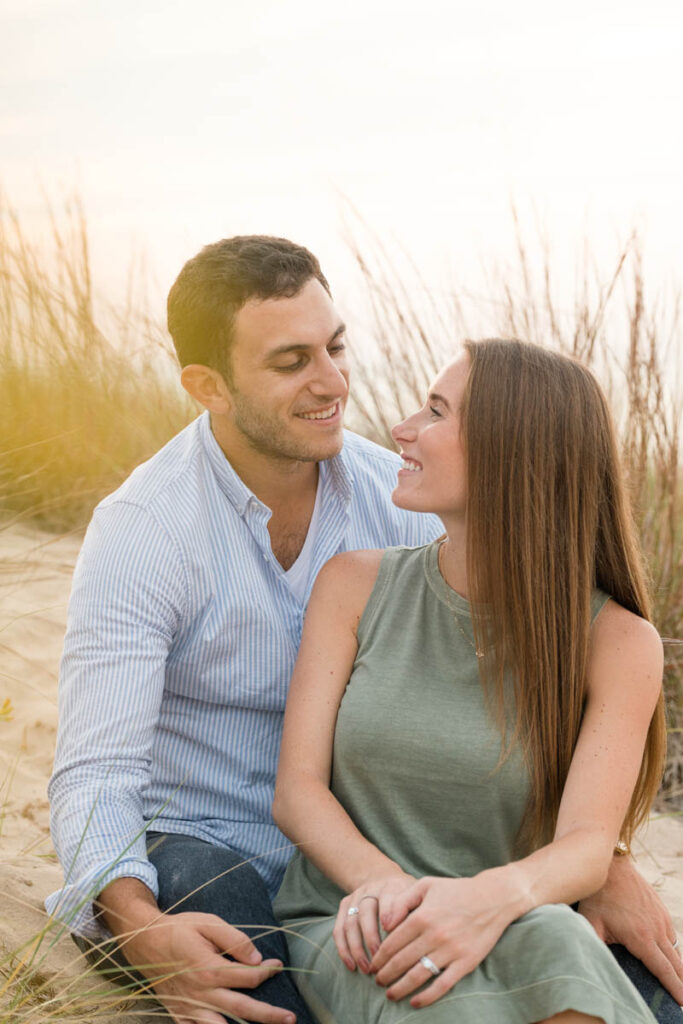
[[404, 431]]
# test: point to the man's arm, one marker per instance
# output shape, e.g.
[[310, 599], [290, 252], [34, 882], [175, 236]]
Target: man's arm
[[628, 911], [128, 598], [128, 592]]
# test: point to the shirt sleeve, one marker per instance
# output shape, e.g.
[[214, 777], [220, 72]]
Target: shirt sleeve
[[127, 598]]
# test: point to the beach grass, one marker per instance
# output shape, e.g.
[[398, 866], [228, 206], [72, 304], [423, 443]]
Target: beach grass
[[87, 391]]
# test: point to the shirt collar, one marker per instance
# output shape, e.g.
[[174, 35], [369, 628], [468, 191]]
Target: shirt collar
[[232, 486], [335, 471], [338, 471]]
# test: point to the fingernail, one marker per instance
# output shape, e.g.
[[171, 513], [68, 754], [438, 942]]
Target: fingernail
[[290, 1019], [255, 957], [364, 965]]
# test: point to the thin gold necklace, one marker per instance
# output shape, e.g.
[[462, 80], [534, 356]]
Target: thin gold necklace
[[454, 611]]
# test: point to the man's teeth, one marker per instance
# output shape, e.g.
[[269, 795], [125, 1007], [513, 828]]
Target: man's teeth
[[412, 466], [324, 414]]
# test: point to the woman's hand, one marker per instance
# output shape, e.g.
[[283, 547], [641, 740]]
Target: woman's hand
[[453, 922], [356, 931]]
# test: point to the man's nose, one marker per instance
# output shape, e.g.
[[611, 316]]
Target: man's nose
[[330, 377]]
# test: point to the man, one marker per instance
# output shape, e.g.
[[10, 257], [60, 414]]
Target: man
[[184, 623]]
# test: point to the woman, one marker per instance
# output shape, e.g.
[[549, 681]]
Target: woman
[[473, 725]]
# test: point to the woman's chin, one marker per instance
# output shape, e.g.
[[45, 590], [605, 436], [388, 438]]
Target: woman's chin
[[406, 501]]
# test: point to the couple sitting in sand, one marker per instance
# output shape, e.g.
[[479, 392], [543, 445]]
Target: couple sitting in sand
[[475, 718]]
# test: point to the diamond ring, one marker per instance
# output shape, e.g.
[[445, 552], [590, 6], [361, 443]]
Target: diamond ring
[[429, 965]]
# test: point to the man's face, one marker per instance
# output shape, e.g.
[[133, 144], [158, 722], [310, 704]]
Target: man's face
[[290, 376]]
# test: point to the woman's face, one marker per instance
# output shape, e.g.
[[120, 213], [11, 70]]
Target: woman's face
[[434, 473]]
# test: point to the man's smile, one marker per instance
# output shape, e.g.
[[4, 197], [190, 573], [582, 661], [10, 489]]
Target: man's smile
[[321, 414]]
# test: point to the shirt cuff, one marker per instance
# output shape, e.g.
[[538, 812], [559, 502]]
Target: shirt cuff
[[72, 905]]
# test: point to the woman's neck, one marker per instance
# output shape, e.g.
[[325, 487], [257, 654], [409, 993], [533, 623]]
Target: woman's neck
[[453, 559]]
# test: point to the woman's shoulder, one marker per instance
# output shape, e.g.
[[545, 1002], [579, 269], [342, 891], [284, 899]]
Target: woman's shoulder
[[361, 567], [616, 623], [349, 578], [624, 647], [350, 568], [344, 584]]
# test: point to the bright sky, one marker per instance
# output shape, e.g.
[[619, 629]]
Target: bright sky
[[183, 122]]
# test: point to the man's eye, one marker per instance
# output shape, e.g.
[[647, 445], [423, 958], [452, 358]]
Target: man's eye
[[291, 366]]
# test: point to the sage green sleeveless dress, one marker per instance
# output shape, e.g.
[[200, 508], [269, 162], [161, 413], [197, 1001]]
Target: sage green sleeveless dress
[[415, 754]]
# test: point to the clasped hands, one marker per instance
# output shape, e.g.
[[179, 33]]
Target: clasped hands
[[436, 928], [455, 922]]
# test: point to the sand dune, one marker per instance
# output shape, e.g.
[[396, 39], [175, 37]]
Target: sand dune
[[35, 572]]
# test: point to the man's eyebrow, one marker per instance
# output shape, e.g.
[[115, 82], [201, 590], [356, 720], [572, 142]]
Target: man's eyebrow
[[284, 349], [434, 397]]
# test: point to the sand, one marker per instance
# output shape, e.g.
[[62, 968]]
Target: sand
[[35, 574]]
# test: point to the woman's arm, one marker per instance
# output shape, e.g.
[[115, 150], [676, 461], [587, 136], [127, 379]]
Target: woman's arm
[[623, 684], [467, 916], [304, 808]]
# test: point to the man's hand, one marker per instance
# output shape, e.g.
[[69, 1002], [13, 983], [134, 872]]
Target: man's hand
[[192, 961], [628, 911], [183, 957]]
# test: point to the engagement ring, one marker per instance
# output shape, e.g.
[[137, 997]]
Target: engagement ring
[[352, 911], [430, 965]]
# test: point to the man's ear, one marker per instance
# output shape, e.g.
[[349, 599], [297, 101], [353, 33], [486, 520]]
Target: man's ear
[[206, 386]]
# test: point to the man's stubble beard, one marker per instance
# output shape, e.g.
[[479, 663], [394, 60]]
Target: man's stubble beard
[[267, 436]]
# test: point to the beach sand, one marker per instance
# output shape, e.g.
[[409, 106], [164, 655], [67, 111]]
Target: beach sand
[[35, 575]]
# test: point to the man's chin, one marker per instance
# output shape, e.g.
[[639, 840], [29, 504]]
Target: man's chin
[[329, 450], [326, 447]]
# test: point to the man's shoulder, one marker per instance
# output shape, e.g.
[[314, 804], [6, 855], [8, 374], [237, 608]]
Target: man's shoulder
[[156, 483]]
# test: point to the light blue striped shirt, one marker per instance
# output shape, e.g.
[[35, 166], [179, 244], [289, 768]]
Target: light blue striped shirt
[[181, 638]]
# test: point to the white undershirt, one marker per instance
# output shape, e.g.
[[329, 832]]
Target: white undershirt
[[298, 573]]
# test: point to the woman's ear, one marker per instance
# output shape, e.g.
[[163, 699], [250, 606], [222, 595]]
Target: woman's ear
[[206, 386]]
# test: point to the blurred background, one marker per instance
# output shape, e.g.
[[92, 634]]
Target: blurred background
[[178, 123]]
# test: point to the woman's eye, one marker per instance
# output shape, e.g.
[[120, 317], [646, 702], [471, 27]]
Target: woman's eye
[[434, 411]]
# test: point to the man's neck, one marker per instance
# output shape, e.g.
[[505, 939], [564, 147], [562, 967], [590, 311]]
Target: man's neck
[[277, 482]]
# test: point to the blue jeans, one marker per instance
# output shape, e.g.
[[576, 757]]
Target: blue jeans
[[662, 1005], [188, 865], [188, 871]]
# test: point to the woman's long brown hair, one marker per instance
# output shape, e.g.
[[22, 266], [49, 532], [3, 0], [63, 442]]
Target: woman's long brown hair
[[548, 519]]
